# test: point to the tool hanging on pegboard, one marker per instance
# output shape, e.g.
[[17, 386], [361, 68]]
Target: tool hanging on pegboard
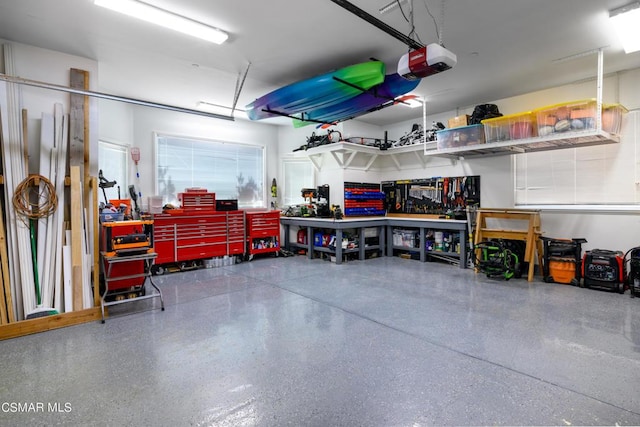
[[448, 196]]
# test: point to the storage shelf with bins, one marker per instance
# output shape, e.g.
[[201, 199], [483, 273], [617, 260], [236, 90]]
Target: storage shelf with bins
[[363, 199], [442, 245], [422, 230], [554, 141], [528, 145], [426, 243], [371, 231]]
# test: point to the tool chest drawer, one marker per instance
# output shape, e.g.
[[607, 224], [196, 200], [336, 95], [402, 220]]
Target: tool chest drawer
[[195, 236], [263, 223]]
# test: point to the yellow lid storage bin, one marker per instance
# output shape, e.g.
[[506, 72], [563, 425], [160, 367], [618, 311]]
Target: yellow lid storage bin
[[460, 137], [612, 118], [573, 116], [512, 126]]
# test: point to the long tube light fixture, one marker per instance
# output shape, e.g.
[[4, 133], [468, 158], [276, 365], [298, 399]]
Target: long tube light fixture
[[102, 95], [164, 18], [390, 6], [626, 21]]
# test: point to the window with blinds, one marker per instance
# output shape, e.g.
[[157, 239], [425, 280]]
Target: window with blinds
[[597, 176], [231, 170]]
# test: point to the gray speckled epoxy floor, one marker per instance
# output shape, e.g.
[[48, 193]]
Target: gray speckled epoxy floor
[[292, 341]]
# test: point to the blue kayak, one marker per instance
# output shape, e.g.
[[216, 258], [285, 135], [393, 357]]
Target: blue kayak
[[318, 92], [393, 86]]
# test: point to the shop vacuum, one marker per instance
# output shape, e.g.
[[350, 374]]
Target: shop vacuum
[[603, 268]]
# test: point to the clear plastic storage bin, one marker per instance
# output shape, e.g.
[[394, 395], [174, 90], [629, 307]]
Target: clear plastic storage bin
[[512, 126], [612, 118], [573, 116], [460, 137]]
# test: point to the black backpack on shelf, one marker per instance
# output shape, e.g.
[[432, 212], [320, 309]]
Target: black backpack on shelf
[[484, 111]]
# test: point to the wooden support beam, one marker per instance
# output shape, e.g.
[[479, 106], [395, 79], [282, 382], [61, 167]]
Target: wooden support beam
[[79, 129], [42, 324], [529, 233], [96, 242], [6, 302], [76, 238], [8, 316]]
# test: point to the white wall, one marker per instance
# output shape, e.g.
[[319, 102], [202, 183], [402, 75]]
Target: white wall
[[47, 66], [136, 125], [124, 123]]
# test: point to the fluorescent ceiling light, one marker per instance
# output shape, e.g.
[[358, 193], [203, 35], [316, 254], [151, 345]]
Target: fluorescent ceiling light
[[626, 21], [219, 109], [166, 19], [389, 7]]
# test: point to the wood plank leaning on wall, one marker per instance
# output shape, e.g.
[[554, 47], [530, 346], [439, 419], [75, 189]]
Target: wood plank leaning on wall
[[79, 315]]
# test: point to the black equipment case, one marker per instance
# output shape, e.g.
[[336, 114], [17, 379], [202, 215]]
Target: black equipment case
[[633, 279]]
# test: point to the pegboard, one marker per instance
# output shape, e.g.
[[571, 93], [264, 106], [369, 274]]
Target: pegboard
[[435, 196]]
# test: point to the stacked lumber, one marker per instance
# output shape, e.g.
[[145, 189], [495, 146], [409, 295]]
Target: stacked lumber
[[41, 253]]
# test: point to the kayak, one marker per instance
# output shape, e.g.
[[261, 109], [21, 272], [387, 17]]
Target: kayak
[[318, 92], [393, 86]]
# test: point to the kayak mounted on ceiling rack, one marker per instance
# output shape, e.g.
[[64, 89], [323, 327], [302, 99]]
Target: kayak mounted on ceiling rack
[[318, 92], [376, 98]]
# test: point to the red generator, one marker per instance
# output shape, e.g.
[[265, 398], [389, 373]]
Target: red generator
[[603, 268]]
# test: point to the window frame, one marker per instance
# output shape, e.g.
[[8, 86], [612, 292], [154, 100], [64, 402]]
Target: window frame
[[124, 189], [601, 156], [299, 160], [157, 135]]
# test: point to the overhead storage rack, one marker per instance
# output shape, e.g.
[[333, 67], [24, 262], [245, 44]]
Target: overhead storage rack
[[553, 141]]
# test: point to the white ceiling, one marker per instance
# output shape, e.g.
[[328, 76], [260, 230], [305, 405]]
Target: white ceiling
[[504, 47]]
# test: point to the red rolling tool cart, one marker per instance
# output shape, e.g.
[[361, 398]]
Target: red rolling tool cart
[[263, 233]]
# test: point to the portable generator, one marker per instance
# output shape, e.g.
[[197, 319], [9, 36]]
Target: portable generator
[[603, 268], [633, 278], [495, 260]]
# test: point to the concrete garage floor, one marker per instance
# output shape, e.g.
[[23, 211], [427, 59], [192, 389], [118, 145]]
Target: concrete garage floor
[[292, 341]]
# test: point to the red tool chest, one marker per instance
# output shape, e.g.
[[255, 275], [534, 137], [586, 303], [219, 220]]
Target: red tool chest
[[189, 237], [263, 232]]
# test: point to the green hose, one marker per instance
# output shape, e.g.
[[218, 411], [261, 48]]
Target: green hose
[[35, 261]]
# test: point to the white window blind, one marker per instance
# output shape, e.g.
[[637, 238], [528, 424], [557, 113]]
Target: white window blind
[[298, 174], [602, 175], [231, 170]]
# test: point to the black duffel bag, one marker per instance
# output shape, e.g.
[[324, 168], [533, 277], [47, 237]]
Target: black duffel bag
[[484, 111]]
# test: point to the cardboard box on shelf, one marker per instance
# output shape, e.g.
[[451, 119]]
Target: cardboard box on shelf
[[459, 121]]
